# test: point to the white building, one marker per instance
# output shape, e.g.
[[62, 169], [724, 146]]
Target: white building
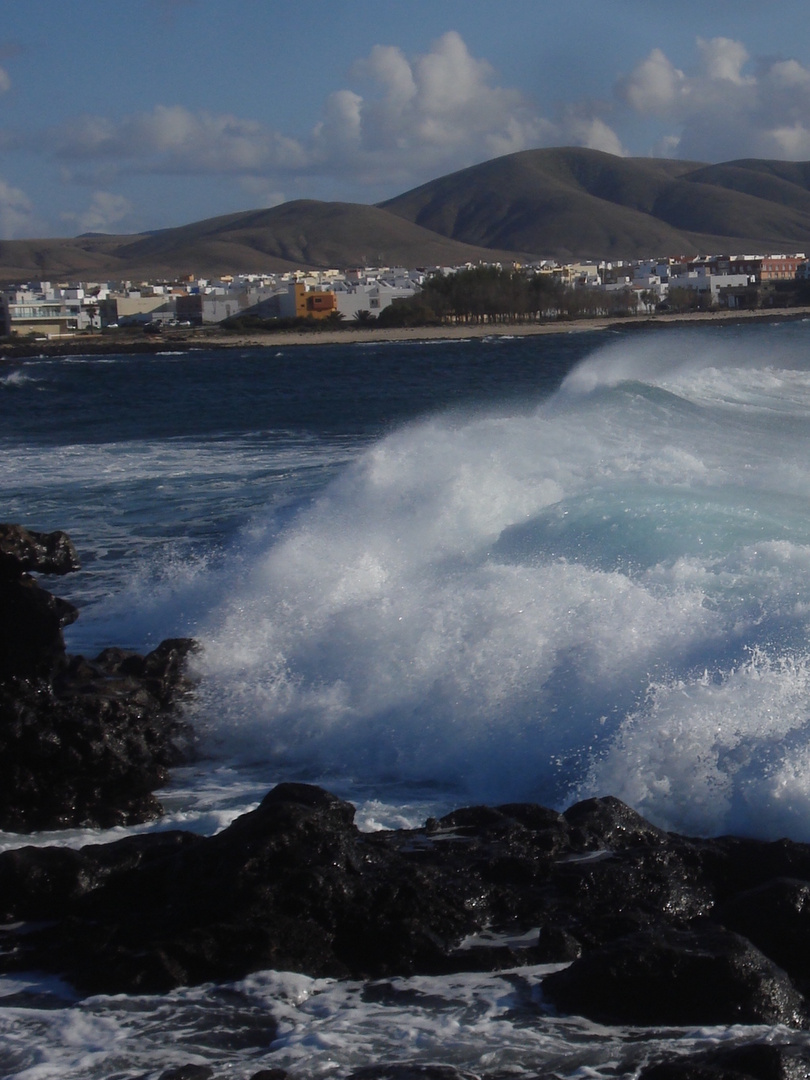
[[372, 296], [43, 312]]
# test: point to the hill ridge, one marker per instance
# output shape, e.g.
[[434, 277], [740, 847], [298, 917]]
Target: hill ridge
[[563, 203]]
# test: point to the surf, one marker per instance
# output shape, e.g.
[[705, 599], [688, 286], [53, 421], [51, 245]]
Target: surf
[[498, 603]]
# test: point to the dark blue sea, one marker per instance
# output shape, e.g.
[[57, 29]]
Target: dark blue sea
[[426, 575]]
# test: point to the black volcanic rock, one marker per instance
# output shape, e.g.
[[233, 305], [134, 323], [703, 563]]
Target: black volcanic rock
[[752, 1061], [775, 916], [88, 748], [31, 641], [22, 550], [294, 885], [664, 976], [82, 742], [409, 1070]]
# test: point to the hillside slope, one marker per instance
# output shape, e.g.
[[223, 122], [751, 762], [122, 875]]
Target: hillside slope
[[292, 236], [555, 203], [573, 202]]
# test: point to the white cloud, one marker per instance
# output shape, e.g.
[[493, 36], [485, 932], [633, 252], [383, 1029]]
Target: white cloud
[[405, 120], [723, 59], [594, 134], [728, 107], [106, 210], [341, 130], [654, 85], [434, 113], [388, 66], [788, 74], [16, 213], [792, 143], [172, 138], [262, 195]]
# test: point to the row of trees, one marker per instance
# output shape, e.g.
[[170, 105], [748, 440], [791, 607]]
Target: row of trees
[[492, 295], [489, 294], [335, 320]]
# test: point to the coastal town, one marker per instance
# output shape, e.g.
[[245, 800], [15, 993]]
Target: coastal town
[[45, 310]]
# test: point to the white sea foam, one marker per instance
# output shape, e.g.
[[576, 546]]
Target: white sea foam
[[482, 605], [323, 1028], [493, 603]]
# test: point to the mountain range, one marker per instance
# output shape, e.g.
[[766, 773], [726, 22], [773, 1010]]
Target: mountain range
[[564, 203]]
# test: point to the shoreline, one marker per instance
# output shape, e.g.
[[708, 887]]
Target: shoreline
[[214, 338]]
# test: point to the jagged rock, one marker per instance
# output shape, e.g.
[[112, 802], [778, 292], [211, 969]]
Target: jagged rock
[[776, 918], [43, 883], [295, 885], [81, 742], [90, 747], [31, 641], [188, 1072], [22, 551], [754, 1061], [600, 823], [664, 976]]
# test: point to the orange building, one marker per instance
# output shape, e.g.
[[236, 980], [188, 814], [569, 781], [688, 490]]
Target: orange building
[[313, 303], [780, 267]]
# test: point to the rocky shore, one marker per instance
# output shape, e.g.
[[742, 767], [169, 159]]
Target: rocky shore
[[82, 742], [656, 929], [644, 927]]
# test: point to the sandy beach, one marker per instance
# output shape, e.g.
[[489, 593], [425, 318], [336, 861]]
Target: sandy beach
[[465, 332], [214, 338]]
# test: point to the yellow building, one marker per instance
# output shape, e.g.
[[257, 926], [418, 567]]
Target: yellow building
[[313, 303]]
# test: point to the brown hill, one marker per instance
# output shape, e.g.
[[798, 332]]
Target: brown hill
[[561, 203], [292, 236], [572, 202]]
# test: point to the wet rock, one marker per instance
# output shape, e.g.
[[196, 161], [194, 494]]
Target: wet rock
[[776, 918], [89, 747], [294, 885], [44, 883], [31, 641], [188, 1072], [32, 620], [608, 822], [82, 742], [663, 976], [23, 551], [753, 1061]]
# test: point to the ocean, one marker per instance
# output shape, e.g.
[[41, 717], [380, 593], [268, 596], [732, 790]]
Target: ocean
[[427, 575]]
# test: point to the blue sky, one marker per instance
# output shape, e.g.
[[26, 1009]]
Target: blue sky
[[120, 117]]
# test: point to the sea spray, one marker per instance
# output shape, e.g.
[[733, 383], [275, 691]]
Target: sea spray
[[481, 601], [725, 752], [492, 602]]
